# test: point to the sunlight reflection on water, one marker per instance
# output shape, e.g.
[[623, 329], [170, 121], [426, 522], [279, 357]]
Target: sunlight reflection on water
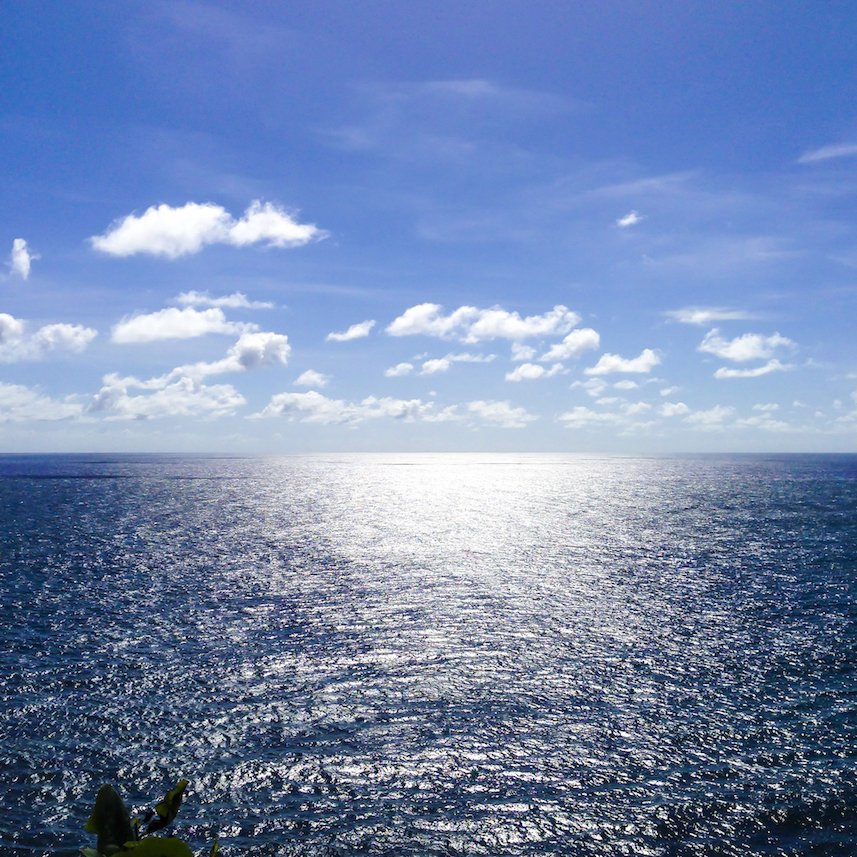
[[436, 654]]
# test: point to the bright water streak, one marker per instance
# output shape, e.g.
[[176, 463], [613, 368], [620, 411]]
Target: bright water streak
[[434, 654]]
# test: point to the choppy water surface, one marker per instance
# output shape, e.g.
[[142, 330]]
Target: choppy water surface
[[434, 655]]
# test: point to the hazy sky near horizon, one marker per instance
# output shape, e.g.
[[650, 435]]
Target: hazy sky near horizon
[[273, 227]]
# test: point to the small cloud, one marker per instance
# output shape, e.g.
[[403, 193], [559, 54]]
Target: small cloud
[[613, 363], [21, 259], [668, 391], [826, 153], [502, 414], [522, 352], [757, 372], [750, 346], [23, 404], [766, 408], [472, 324], [164, 230], [172, 323], [626, 384], [237, 300], [632, 218], [702, 315], [17, 345], [399, 370], [311, 378], [583, 417], [532, 371], [713, 418], [674, 409], [573, 345], [356, 331], [442, 364]]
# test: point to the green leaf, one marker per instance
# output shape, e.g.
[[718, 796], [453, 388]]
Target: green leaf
[[156, 846], [109, 821], [89, 852], [214, 849], [168, 808]]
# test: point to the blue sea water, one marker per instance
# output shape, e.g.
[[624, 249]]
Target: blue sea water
[[436, 654]]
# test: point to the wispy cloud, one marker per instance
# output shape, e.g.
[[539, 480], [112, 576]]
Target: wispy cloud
[[164, 230], [237, 300], [702, 315], [826, 153], [23, 404], [356, 331], [502, 414], [771, 366]]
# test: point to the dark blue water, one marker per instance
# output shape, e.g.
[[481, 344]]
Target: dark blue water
[[434, 655]]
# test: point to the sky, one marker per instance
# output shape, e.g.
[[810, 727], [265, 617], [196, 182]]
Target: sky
[[614, 227]]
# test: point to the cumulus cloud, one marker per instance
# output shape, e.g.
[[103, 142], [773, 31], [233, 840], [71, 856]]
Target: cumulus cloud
[[17, 345], [172, 323], [532, 372], [626, 384], [251, 351], [313, 407], [582, 417], [522, 352], [674, 409], [356, 331], [771, 366], [472, 324], [703, 315], [763, 422], [399, 370], [594, 386], [443, 364], [632, 218], [185, 397], [609, 364], [21, 259], [572, 345], [311, 378], [23, 404], [164, 230], [713, 418], [502, 414], [749, 346], [825, 153], [237, 300]]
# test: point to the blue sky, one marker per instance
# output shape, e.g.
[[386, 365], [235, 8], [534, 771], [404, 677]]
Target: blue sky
[[612, 227]]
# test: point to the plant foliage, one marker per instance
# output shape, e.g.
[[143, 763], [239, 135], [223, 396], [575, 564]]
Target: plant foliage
[[120, 835]]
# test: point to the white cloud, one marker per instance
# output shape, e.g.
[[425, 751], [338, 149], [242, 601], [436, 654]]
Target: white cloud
[[502, 414], [594, 386], [703, 315], [17, 345], [573, 345], [172, 323], [186, 397], [757, 372], [712, 418], [522, 352], [825, 153], [443, 364], [766, 408], [399, 370], [471, 324], [532, 371], [610, 363], [668, 391], [632, 218], [581, 417], [313, 407], [764, 423], [251, 351], [634, 408], [237, 300], [356, 331], [21, 259], [674, 409], [22, 404], [626, 384], [164, 230], [311, 378], [749, 346]]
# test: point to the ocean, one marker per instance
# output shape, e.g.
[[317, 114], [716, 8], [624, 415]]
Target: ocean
[[434, 654]]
